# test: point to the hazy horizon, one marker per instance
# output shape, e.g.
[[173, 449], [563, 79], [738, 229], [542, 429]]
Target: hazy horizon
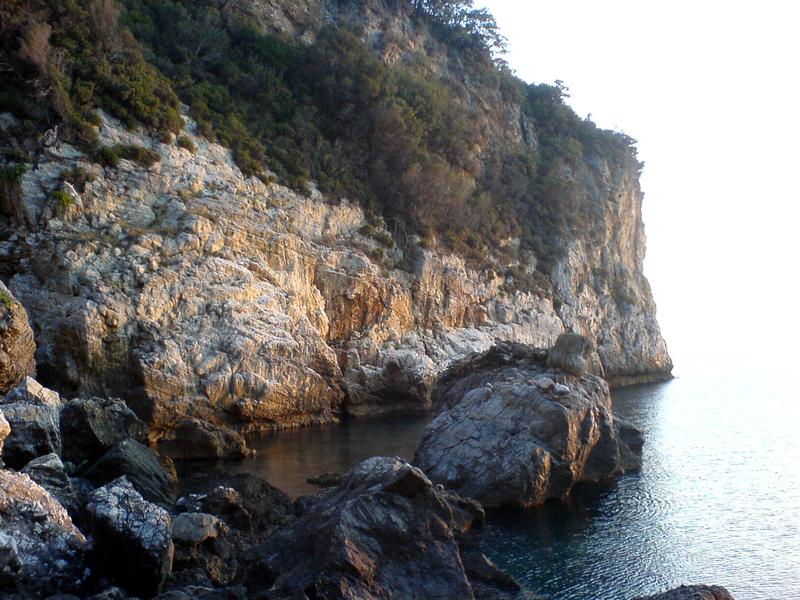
[[709, 91]]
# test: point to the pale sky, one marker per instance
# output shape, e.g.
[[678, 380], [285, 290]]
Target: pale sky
[[711, 91]]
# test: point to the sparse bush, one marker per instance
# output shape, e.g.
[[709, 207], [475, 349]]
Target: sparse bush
[[184, 141], [63, 199]]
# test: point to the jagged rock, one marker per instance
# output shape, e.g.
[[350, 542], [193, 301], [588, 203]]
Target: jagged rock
[[112, 593], [41, 551], [34, 432], [200, 439], [692, 592], [574, 354], [31, 391], [195, 528], [384, 533], [48, 471], [133, 537], [90, 427], [504, 440], [140, 465], [17, 348]]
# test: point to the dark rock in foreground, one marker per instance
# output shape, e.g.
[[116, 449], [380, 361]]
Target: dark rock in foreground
[[692, 592], [41, 551], [514, 431], [386, 532], [140, 465], [133, 537], [90, 427]]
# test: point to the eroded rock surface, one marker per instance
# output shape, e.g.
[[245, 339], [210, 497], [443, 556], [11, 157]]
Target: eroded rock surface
[[41, 551], [133, 537], [386, 532], [17, 347], [514, 431], [200, 296]]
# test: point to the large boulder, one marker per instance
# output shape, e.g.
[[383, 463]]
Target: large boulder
[[386, 532], [574, 354], [41, 551], [91, 426], [140, 465], [513, 431], [133, 537], [17, 348], [34, 432], [692, 592]]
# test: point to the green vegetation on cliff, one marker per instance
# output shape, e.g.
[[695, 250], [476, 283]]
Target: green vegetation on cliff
[[399, 139]]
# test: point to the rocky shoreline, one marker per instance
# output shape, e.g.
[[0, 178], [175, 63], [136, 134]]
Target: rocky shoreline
[[89, 510]]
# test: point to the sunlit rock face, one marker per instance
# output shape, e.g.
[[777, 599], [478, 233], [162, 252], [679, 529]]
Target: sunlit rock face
[[200, 296]]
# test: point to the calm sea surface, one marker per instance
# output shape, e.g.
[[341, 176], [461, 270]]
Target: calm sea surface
[[718, 500]]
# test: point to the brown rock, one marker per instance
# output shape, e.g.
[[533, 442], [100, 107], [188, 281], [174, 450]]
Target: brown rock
[[17, 347]]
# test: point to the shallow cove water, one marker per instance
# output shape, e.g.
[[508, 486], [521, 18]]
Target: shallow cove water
[[718, 499]]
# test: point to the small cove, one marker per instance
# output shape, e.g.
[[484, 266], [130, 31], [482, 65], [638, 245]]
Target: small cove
[[716, 502]]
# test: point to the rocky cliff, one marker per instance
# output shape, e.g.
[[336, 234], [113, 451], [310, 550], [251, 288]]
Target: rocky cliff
[[190, 290]]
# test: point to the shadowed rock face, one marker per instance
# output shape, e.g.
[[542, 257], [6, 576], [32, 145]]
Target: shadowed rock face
[[692, 592], [386, 532], [513, 431], [17, 348]]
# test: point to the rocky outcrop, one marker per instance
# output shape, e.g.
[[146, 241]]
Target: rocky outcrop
[[133, 537], [41, 551], [386, 532], [692, 592], [515, 431], [17, 347]]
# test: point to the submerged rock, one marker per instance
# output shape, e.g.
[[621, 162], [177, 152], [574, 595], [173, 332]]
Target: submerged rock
[[90, 427], [17, 348], [506, 436], [386, 532], [41, 551], [326, 480], [692, 592], [133, 537], [140, 465]]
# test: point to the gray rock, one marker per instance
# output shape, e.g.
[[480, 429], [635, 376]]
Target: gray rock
[[140, 465], [195, 528], [17, 348], [41, 551], [48, 471], [692, 592], [90, 427], [34, 432], [518, 443], [32, 392], [574, 354], [133, 537], [386, 532]]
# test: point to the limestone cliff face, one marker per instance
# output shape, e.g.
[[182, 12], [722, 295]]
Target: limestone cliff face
[[190, 290]]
